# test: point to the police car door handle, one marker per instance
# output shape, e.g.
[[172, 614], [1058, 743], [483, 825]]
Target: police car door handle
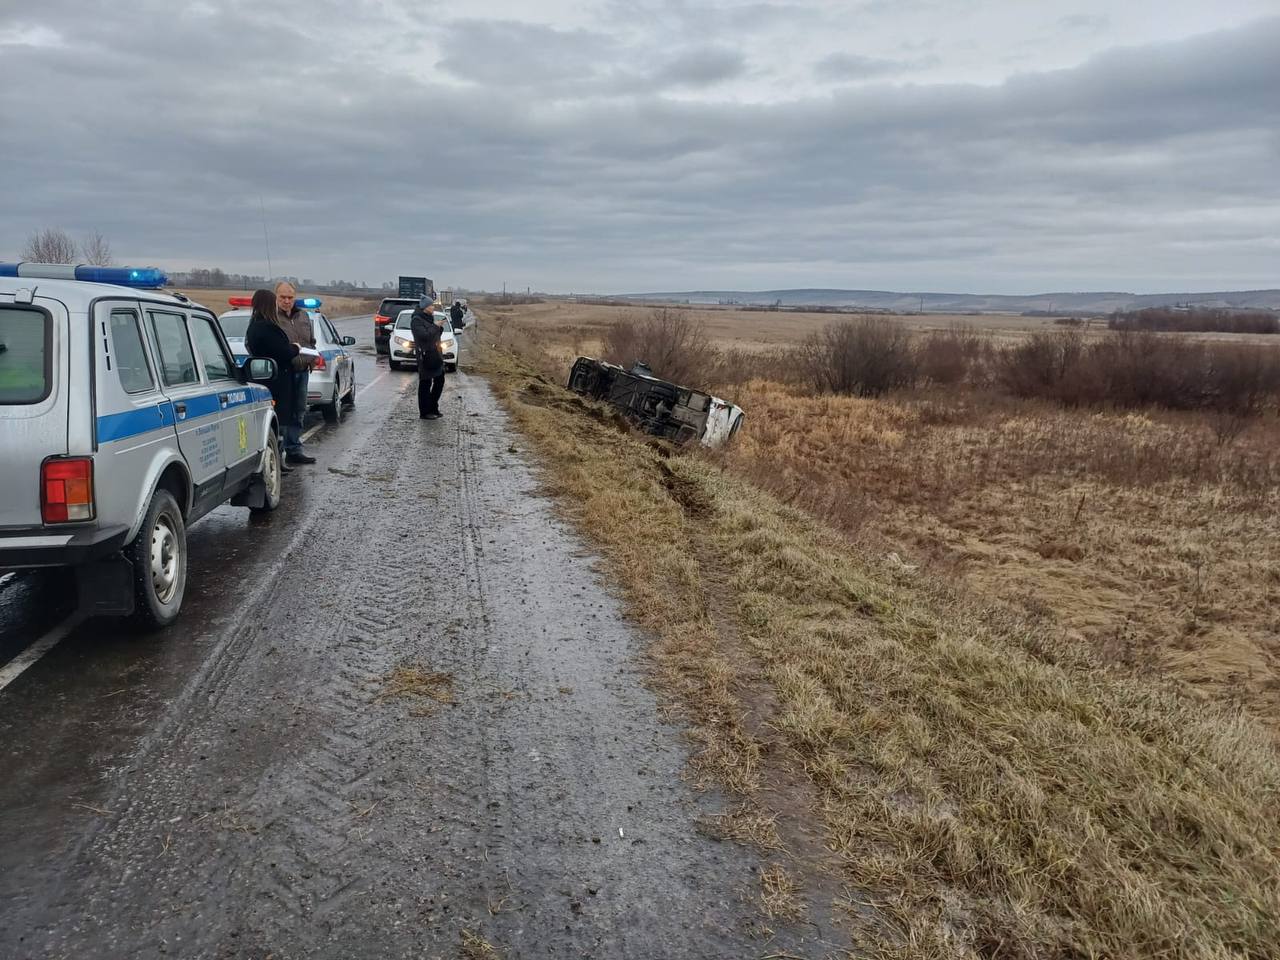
[[181, 410], [224, 399]]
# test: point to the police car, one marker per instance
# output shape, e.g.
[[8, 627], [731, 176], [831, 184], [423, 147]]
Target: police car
[[123, 419], [332, 384]]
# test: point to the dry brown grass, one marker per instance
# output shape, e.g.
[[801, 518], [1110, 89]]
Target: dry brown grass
[[417, 681], [1135, 532], [996, 792]]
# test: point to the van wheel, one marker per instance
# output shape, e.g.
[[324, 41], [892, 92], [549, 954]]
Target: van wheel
[[159, 558], [271, 477]]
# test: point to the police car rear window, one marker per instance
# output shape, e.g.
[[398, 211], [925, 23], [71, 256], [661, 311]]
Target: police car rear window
[[26, 341]]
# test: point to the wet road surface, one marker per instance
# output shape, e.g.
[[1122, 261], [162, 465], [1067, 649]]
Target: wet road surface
[[249, 785]]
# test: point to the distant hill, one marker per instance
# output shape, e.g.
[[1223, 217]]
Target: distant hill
[[1082, 303]]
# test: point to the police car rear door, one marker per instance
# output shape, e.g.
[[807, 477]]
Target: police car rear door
[[241, 414], [198, 413], [34, 388], [134, 418]]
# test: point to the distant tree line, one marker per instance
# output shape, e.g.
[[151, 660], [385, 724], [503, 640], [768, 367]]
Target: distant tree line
[[1196, 320]]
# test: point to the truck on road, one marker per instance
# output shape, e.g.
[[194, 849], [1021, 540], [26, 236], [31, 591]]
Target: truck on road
[[417, 287]]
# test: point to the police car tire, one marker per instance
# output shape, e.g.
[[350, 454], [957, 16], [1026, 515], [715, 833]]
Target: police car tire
[[269, 502], [332, 411], [149, 611], [349, 400]]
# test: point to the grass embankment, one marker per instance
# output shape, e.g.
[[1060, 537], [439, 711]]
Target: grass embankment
[[988, 792]]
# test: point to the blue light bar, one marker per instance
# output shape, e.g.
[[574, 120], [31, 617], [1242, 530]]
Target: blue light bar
[[124, 276], [310, 303], [145, 277]]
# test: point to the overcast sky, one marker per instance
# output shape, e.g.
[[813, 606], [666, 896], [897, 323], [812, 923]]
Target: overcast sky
[[998, 146]]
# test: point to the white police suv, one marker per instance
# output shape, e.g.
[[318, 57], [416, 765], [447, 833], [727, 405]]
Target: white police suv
[[123, 419]]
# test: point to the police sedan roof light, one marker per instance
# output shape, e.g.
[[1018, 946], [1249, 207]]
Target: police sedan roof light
[[310, 303], [240, 301], [142, 277]]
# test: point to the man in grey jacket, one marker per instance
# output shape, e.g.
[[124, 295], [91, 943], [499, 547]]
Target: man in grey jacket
[[296, 323]]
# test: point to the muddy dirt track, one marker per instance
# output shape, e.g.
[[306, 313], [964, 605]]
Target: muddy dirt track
[[253, 783]]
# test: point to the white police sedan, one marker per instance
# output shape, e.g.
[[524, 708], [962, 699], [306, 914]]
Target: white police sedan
[[331, 388]]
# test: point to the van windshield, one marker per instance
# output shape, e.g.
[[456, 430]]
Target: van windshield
[[25, 364]]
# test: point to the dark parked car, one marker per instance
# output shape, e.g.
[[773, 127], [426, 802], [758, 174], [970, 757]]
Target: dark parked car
[[386, 318]]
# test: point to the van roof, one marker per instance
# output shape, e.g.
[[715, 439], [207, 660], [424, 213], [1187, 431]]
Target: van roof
[[78, 294]]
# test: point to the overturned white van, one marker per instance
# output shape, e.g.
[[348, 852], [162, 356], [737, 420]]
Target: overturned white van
[[657, 406]]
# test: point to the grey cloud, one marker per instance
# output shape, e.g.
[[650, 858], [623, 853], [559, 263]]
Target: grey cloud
[[852, 66], [1118, 172], [704, 66], [1093, 23]]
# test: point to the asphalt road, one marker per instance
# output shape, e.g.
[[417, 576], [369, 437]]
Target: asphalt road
[[249, 785]]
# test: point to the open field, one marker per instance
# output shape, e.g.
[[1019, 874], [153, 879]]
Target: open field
[[334, 306], [570, 328], [1148, 536], [984, 784]]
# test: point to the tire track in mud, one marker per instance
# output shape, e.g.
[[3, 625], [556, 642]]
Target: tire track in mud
[[285, 807]]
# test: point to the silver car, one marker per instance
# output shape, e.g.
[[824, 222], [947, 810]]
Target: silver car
[[403, 352], [124, 418], [331, 388]]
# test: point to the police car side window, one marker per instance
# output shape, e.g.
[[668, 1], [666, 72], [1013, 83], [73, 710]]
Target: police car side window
[[177, 362], [129, 353], [217, 366]]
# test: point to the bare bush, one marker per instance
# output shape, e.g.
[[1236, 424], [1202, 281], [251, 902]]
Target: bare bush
[[949, 356], [50, 245], [1140, 369], [863, 357], [674, 345], [96, 250], [1040, 365]]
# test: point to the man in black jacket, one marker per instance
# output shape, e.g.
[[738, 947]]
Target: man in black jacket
[[426, 338], [456, 313]]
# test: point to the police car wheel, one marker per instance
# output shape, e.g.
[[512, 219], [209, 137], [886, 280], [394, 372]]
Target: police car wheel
[[159, 558], [332, 411], [271, 476], [349, 400]]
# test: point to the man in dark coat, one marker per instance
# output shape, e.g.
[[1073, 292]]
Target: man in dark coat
[[426, 338], [296, 323], [456, 313]]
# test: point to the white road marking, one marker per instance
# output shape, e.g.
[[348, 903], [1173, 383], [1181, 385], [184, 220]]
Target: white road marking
[[19, 664], [380, 376], [320, 426]]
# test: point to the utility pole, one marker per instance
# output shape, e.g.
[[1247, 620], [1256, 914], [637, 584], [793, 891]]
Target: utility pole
[[266, 239]]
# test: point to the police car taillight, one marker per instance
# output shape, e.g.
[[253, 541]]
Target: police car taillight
[[319, 362], [66, 489]]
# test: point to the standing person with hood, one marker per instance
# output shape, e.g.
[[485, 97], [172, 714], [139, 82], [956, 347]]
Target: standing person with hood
[[296, 323], [456, 313], [426, 337], [264, 337]]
